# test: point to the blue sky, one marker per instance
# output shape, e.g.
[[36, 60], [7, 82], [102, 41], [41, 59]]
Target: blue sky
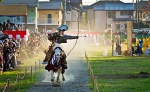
[[85, 2]]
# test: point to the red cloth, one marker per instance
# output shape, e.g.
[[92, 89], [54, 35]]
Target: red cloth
[[15, 33]]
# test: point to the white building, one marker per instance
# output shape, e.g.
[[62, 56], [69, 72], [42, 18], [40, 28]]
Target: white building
[[72, 18], [104, 13]]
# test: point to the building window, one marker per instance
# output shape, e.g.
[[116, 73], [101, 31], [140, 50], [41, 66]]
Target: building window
[[122, 13], [125, 26], [118, 26], [18, 18], [111, 14]]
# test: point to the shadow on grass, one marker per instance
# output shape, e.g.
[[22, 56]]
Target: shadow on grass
[[125, 76]]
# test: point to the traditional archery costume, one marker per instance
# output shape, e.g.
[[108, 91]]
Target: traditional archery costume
[[57, 38], [145, 46]]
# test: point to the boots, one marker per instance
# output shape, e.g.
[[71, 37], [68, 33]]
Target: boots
[[48, 55]]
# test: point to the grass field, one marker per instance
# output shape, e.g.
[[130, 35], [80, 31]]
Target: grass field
[[12, 74], [119, 74]]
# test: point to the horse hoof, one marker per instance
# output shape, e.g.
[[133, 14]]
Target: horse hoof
[[63, 79], [52, 80]]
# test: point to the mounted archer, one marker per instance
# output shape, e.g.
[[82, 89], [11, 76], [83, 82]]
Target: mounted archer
[[58, 38]]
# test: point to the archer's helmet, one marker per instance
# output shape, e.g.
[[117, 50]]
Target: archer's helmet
[[63, 28]]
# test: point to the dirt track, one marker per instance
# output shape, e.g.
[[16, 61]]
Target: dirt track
[[76, 76]]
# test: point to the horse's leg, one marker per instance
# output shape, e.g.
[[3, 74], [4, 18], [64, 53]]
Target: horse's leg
[[63, 78], [58, 75], [52, 75]]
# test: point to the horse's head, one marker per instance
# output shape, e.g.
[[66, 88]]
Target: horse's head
[[58, 53]]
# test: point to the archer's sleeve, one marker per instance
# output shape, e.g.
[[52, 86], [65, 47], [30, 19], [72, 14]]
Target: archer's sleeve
[[68, 37]]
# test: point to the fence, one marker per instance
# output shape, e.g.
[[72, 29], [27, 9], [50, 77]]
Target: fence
[[92, 76], [9, 87]]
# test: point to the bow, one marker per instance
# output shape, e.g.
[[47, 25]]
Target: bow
[[77, 32]]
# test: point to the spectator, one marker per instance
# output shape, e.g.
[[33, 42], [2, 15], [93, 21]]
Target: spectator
[[12, 52], [4, 26], [133, 52], [1, 62], [138, 49], [1, 26], [9, 25], [6, 56], [19, 28]]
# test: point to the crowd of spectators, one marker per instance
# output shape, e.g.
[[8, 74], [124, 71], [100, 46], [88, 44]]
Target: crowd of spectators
[[141, 33], [13, 52], [10, 26], [141, 47]]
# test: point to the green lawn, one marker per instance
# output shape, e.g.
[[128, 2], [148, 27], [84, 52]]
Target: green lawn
[[12, 74], [119, 74]]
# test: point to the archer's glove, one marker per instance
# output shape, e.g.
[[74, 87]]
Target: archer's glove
[[77, 37]]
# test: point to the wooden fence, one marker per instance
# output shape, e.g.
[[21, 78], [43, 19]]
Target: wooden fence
[[92, 76], [10, 87]]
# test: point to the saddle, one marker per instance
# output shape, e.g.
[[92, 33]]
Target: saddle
[[54, 66]]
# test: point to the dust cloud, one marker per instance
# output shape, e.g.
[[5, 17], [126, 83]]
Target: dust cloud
[[68, 77]]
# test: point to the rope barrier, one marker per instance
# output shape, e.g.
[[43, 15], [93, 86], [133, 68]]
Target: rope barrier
[[29, 69], [15, 81], [94, 78], [25, 74], [5, 87]]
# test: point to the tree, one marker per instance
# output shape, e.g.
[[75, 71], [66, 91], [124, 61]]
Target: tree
[[1, 1]]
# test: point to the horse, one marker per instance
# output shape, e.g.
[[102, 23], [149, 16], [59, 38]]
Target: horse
[[56, 63]]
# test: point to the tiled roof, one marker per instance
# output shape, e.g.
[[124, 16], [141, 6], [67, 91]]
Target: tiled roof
[[103, 3], [71, 1], [112, 6], [74, 3], [50, 5], [99, 7], [31, 3], [125, 6]]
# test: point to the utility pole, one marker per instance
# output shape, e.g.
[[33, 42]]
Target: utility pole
[[138, 11], [64, 13]]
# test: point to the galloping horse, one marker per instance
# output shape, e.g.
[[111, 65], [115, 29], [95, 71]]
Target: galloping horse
[[56, 64]]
